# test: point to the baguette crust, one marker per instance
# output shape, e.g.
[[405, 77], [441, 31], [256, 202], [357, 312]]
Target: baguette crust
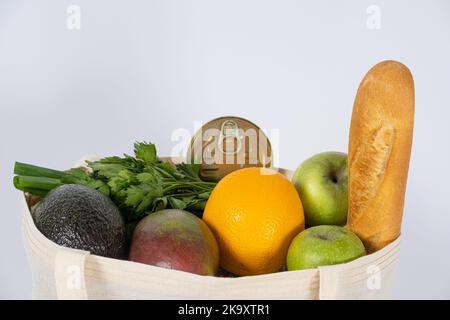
[[379, 151]]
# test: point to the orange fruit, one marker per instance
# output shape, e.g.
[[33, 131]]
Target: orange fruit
[[254, 214]]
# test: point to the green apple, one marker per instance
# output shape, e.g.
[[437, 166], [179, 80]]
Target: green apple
[[323, 245], [321, 182]]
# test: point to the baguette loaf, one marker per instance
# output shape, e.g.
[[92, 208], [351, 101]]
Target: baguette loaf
[[379, 150]]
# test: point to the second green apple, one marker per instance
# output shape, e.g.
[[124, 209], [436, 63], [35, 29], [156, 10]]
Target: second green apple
[[322, 183]]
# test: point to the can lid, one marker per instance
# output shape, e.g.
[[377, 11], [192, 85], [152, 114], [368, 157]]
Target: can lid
[[227, 144]]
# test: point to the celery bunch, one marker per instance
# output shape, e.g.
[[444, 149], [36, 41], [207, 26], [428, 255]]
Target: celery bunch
[[138, 185]]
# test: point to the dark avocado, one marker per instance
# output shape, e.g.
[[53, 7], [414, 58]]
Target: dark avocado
[[79, 217]]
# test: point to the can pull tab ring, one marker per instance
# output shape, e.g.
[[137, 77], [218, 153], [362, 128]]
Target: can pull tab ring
[[229, 131]]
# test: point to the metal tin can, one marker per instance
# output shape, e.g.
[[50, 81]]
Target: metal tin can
[[227, 144]]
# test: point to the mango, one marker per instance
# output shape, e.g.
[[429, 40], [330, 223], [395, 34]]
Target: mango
[[175, 239]]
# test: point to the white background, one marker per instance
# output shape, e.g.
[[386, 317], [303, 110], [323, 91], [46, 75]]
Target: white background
[[137, 70]]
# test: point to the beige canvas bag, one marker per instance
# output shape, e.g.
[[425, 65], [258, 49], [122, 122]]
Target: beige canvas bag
[[64, 273]]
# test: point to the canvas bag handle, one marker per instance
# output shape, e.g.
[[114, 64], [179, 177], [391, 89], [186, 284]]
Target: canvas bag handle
[[70, 280], [329, 277]]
